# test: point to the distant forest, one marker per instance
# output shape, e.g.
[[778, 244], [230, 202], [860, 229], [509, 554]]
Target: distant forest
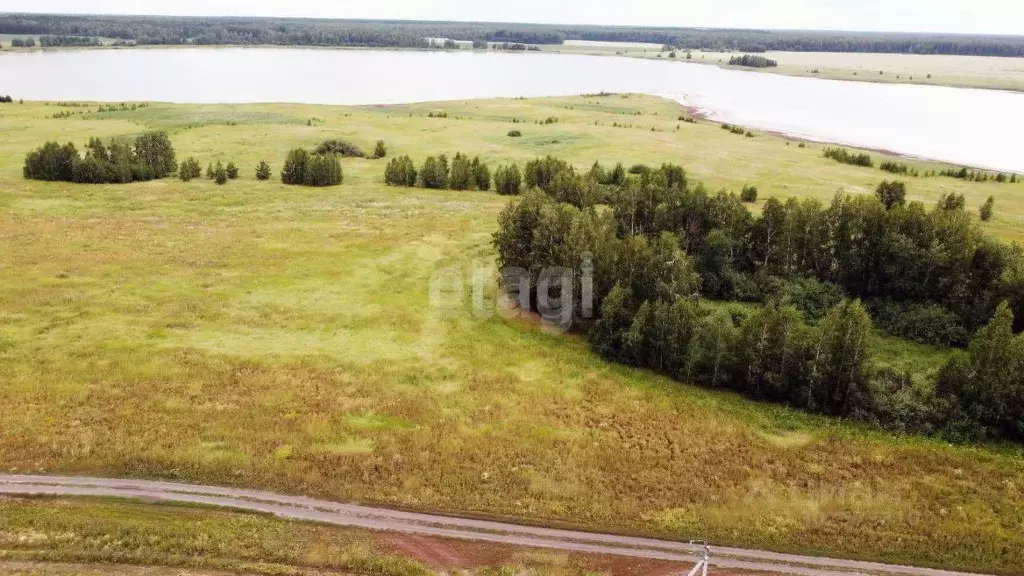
[[378, 33]]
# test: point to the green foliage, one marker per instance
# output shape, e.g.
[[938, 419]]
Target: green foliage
[[434, 173], [952, 202], [481, 174], [294, 171], [983, 391], [341, 148], [150, 157], [400, 171], [190, 169], [323, 170], [380, 150], [220, 174], [844, 156], [749, 194], [461, 176], [752, 61], [231, 170], [514, 133], [209, 171], [924, 323], [263, 171], [898, 168], [23, 42], [891, 194], [985, 212], [508, 179]]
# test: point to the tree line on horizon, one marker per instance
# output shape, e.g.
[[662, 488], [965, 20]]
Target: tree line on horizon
[[323, 32]]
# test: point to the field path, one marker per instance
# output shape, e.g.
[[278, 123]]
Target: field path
[[383, 519]]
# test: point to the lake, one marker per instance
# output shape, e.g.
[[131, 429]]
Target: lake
[[980, 128]]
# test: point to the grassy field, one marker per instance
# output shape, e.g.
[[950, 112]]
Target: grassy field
[[270, 336], [940, 70]]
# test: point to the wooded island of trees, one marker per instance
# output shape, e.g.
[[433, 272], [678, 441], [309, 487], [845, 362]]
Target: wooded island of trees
[[662, 249], [377, 33]]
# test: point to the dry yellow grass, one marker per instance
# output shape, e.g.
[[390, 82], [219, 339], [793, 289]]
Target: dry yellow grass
[[270, 336]]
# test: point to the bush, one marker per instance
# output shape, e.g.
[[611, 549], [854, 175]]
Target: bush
[[985, 212], [190, 169], [209, 171], [541, 172], [461, 177], [638, 169], [892, 194], [341, 148], [508, 180], [812, 297], [294, 171], [924, 323], [749, 194], [514, 133], [846, 157], [752, 61], [52, 162], [231, 171], [151, 156], [400, 171], [380, 150], [481, 174], [323, 170], [434, 173], [220, 174], [263, 171]]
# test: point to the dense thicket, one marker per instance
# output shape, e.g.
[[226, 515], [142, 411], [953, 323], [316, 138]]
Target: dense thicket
[[341, 148], [311, 169], [462, 173], [846, 157], [752, 61], [291, 31], [150, 157], [23, 42], [655, 242], [67, 41]]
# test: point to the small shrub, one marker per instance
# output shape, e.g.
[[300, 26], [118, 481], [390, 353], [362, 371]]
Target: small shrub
[[985, 212], [844, 156], [508, 180], [749, 194], [322, 170], [190, 169], [514, 133], [892, 194], [341, 148], [263, 171], [400, 171], [380, 150], [638, 169], [209, 171], [231, 171], [220, 174]]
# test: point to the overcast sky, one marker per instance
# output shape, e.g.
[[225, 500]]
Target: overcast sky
[[969, 16]]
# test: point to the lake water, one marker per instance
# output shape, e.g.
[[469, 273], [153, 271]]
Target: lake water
[[981, 128]]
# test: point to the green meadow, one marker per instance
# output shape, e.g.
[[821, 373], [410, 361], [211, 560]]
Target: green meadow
[[262, 335]]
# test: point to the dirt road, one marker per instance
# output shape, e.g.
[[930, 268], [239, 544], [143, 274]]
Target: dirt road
[[382, 519]]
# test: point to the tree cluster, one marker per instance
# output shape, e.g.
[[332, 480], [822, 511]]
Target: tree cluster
[[844, 156], [150, 157], [311, 169], [654, 243], [23, 42], [977, 175], [752, 61], [6, 99]]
